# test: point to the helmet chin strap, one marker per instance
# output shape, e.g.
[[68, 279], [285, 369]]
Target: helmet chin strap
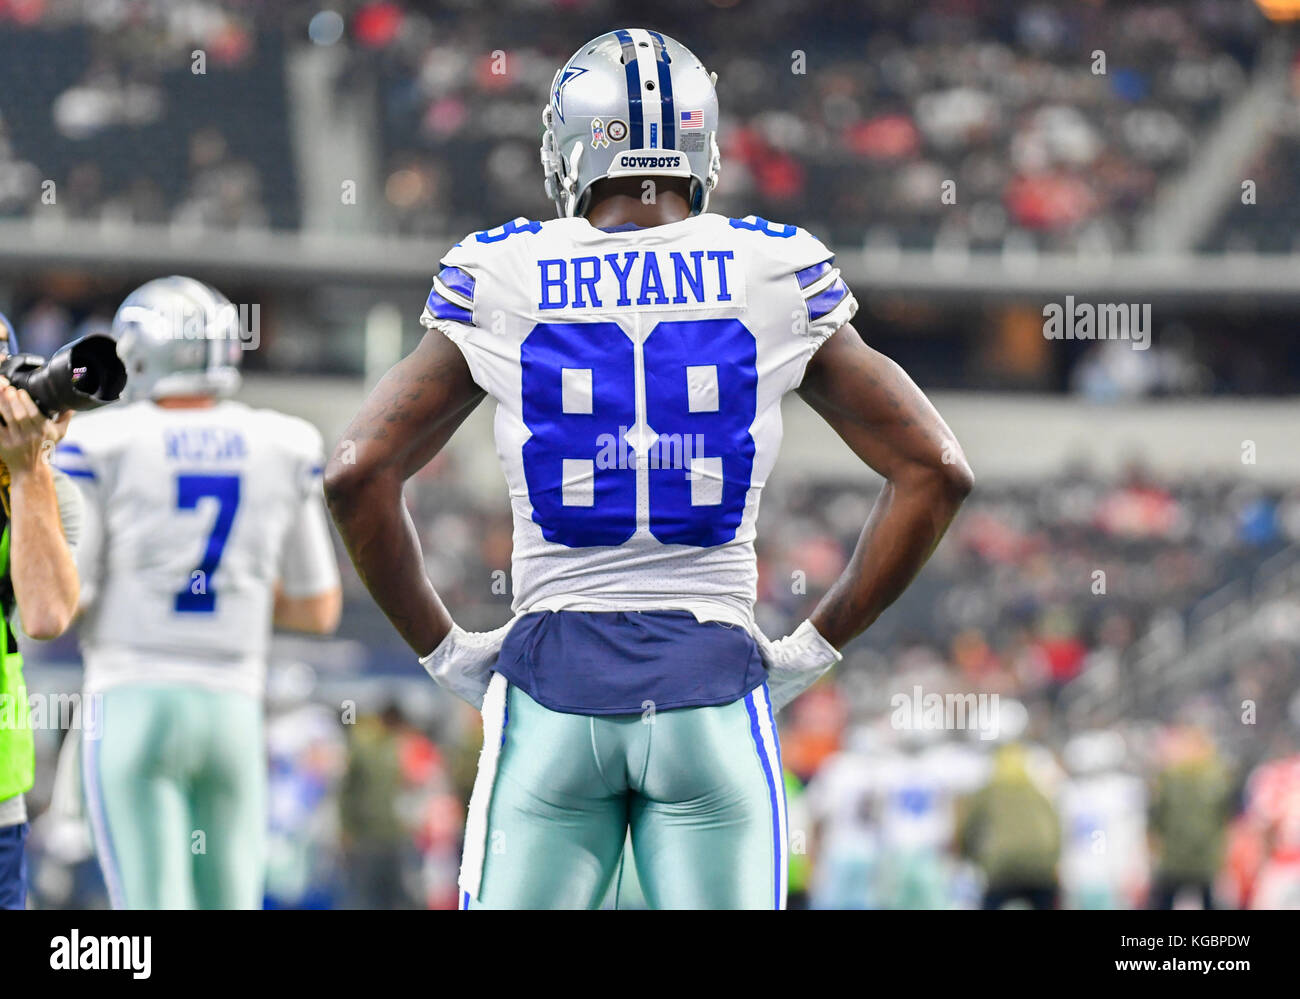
[[561, 177], [570, 182], [697, 197]]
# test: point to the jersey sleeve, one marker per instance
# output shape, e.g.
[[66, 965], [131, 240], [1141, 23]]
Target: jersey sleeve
[[71, 510], [76, 459], [89, 550], [828, 303], [80, 467], [307, 563], [461, 303], [451, 306], [805, 298]]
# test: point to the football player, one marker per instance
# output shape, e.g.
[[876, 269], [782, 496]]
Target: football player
[[205, 527], [637, 349]]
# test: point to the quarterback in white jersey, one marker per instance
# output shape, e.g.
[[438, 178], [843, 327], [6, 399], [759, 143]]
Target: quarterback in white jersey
[[637, 350], [1104, 862], [205, 526], [198, 516]]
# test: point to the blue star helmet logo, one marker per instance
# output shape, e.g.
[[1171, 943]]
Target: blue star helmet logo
[[569, 73]]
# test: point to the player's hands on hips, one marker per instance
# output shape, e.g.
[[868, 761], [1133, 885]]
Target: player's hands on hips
[[463, 661], [27, 436], [796, 662]]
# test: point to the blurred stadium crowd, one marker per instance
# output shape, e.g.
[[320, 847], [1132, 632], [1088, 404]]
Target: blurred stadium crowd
[[851, 137]]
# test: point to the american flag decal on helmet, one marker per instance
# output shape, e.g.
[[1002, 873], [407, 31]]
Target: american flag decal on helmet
[[692, 119]]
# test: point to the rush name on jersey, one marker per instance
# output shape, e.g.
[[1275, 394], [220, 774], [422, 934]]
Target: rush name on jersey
[[193, 517], [638, 376]]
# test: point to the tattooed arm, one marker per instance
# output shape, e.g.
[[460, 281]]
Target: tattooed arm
[[406, 420], [885, 419]]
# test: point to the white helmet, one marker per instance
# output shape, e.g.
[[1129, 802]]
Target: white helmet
[[178, 336], [630, 103]]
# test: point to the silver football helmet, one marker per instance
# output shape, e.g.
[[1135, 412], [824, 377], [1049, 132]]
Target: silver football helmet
[[630, 103], [178, 336]]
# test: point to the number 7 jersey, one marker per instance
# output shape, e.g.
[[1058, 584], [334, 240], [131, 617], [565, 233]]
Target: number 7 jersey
[[193, 516], [638, 376]]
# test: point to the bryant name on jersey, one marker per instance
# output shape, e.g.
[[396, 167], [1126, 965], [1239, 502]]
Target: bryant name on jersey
[[644, 278]]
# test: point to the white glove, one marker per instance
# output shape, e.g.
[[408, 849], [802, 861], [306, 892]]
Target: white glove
[[795, 663], [463, 661]]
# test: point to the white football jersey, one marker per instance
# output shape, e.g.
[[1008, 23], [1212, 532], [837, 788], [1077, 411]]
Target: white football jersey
[[193, 516], [1104, 837], [638, 376]]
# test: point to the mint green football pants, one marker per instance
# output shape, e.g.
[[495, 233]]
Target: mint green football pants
[[698, 791], [175, 786]]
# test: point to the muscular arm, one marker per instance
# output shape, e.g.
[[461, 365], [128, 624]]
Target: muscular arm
[[880, 413], [407, 419]]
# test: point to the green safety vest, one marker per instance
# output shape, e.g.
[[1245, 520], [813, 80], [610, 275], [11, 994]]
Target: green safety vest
[[17, 747]]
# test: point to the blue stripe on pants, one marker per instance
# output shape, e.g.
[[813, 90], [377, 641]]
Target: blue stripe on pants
[[98, 813], [777, 845]]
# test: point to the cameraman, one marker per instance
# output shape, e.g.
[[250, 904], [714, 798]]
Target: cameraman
[[40, 519]]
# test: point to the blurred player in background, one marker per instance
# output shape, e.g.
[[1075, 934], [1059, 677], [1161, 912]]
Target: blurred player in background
[[40, 523], [1103, 823], [920, 783], [205, 527], [638, 350], [885, 808], [307, 753]]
